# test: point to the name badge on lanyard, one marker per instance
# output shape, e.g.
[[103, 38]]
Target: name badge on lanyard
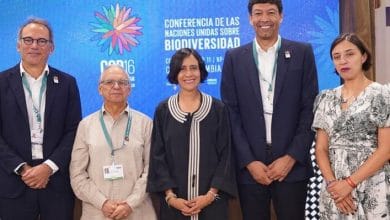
[[36, 131], [269, 83], [37, 136], [113, 172]]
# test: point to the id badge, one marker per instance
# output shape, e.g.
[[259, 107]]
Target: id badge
[[113, 172], [37, 152], [37, 136]]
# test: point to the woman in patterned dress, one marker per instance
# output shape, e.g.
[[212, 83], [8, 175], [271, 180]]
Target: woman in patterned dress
[[190, 157], [353, 138]]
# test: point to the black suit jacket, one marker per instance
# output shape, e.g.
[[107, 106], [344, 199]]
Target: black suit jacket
[[296, 87], [62, 115]]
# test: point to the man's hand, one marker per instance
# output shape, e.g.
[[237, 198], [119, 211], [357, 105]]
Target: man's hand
[[25, 167], [37, 177], [122, 211], [258, 170], [109, 207], [279, 169]]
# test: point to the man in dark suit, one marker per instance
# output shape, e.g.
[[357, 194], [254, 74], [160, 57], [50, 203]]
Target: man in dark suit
[[269, 86], [39, 113]]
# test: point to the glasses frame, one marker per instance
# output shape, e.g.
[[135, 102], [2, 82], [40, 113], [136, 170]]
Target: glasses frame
[[122, 83], [40, 41]]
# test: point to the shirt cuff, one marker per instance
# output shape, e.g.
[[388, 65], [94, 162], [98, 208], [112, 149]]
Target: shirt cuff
[[52, 165], [17, 168]]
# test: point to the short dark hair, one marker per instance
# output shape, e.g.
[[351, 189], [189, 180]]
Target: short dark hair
[[354, 39], [278, 3], [177, 62], [35, 20]]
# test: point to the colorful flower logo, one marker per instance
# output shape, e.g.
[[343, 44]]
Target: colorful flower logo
[[116, 29]]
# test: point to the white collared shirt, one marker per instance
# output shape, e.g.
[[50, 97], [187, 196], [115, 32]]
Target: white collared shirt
[[111, 123], [266, 71], [35, 87]]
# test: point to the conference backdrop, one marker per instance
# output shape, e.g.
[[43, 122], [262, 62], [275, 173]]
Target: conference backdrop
[[142, 35]]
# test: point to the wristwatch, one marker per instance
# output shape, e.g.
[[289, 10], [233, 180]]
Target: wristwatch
[[20, 170]]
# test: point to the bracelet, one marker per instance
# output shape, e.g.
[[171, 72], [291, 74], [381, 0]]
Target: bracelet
[[350, 182], [169, 196], [215, 195]]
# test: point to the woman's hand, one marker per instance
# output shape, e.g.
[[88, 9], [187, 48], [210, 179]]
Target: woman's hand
[[344, 203], [181, 205], [200, 202], [347, 205], [339, 189]]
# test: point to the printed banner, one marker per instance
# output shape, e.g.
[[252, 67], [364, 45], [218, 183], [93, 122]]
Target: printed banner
[[143, 35]]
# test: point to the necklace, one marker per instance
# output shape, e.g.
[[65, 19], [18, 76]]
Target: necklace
[[345, 100], [358, 89]]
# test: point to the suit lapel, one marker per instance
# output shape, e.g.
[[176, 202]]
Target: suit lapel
[[15, 81], [51, 92], [282, 68], [253, 72]]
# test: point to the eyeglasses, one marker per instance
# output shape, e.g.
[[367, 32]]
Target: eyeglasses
[[111, 83], [40, 41]]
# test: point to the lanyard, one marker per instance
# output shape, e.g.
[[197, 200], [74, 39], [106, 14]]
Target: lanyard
[[107, 136], [37, 110], [255, 56]]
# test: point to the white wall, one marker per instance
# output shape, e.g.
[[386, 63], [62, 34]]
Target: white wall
[[382, 44]]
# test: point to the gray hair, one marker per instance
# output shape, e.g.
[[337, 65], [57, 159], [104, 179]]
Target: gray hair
[[36, 20], [114, 66]]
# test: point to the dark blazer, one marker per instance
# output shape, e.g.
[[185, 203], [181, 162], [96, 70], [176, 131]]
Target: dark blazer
[[296, 87], [62, 115]]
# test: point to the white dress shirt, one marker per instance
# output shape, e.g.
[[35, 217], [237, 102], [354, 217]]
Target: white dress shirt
[[35, 87], [266, 61]]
